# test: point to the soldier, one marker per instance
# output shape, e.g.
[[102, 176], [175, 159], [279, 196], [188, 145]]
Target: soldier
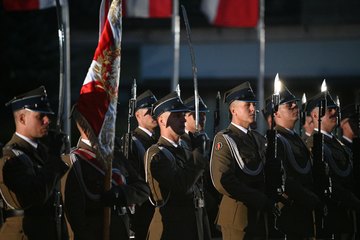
[[297, 191], [236, 166], [30, 172], [212, 196], [308, 127], [172, 174], [142, 138], [339, 202], [350, 137], [349, 125], [85, 198]]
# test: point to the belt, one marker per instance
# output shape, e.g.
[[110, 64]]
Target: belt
[[13, 213]]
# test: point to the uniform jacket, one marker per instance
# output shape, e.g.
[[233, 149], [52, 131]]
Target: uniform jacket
[[30, 176], [342, 201], [84, 213], [244, 196], [296, 217], [140, 221], [174, 181], [137, 153]]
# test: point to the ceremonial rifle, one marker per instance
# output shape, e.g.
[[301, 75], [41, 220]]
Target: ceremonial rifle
[[273, 168], [126, 143], [217, 113], [320, 166], [302, 114]]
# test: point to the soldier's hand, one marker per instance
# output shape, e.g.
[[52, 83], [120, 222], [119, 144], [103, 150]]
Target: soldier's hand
[[198, 141], [274, 207], [114, 197], [58, 142]]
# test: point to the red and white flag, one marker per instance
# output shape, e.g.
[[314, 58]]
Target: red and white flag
[[28, 5], [148, 8], [231, 13], [95, 110]]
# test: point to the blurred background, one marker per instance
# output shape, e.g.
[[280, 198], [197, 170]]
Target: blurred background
[[306, 41]]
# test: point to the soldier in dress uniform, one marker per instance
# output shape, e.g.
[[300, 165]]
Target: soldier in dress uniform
[[349, 125], [31, 171], [339, 202], [296, 219], [237, 170], [172, 173], [308, 126], [212, 196], [350, 137], [142, 138], [85, 198]]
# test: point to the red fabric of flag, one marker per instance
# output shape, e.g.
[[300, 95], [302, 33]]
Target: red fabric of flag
[[232, 13], [27, 5]]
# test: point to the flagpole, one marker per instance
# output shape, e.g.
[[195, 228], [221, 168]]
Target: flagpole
[[176, 36], [261, 39]]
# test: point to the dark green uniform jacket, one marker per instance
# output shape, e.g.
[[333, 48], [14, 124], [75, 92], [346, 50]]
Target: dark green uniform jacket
[[140, 221], [297, 217], [85, 214], [30, 176], [340, 217], [240, 180], [172, 180]]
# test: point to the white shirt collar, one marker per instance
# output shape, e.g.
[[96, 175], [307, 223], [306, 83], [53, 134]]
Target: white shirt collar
[[240, 127], [28, 140], [146, 131], [171, 141], [347, 139], [323, 132]]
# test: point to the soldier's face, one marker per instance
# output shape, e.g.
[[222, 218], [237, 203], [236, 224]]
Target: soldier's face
[[36, 124], [329, 120], [145, 120], [176, 121], [289, 111], [190, 121], [243, 113]]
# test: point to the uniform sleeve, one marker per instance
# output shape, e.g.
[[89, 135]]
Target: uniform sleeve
[[174, 177], [222, 167], [32, 186], [136, 190]]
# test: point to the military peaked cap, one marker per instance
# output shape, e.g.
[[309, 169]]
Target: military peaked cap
[[170, 103], [315, 100], [242, 92], [349, 111], [286, 96], [190, 103], [145, 100], [35, 100]]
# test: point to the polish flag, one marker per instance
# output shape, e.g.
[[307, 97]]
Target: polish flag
[[148, 8], [28, 5], [231, 13], [95, 110]]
